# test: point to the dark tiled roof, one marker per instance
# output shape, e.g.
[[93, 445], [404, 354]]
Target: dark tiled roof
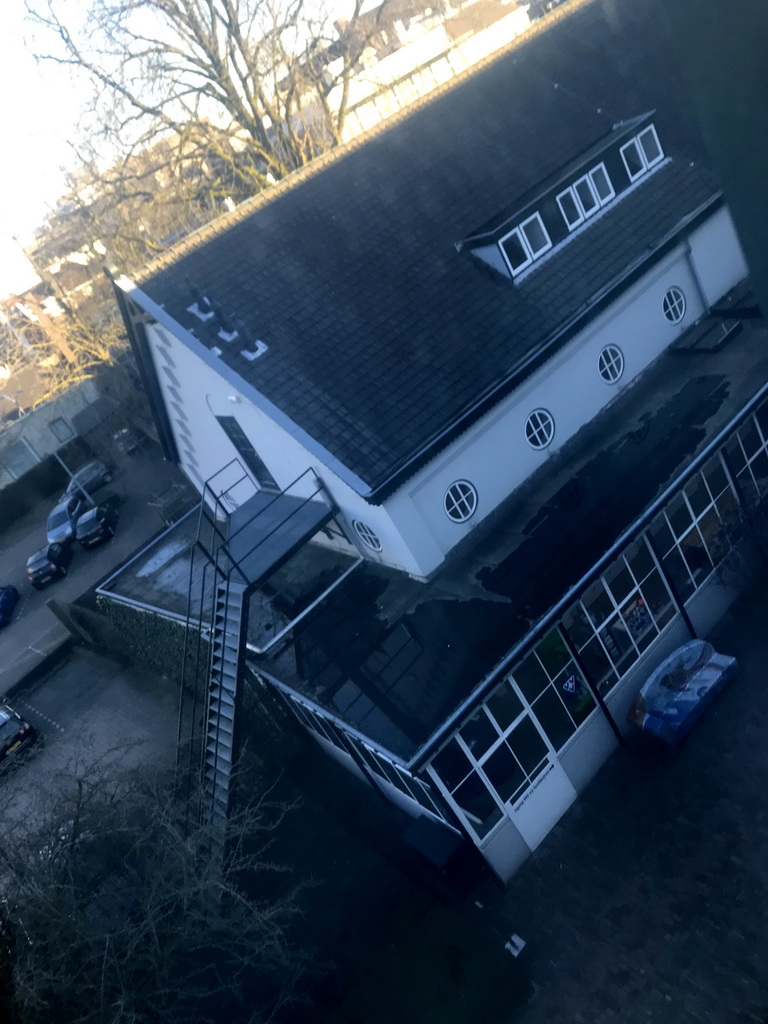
[[381, 335]]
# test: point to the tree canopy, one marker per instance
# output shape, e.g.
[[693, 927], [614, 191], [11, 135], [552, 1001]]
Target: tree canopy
[[113, 912], [256, 88]]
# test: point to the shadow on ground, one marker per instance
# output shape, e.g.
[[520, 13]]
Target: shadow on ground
[[396, 943]]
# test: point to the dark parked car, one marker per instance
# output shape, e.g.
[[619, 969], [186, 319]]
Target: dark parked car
[[49, 563], [676, 695], [89, 478], [15, 733], [9, 597], [62, 521], [97, 524]]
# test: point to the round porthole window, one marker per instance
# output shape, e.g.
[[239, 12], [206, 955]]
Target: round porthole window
[[674, 304], [539, 428], [460, 501], [611, 364], [366, 535]]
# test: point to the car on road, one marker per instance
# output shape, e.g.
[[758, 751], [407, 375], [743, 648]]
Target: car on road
[[49, 563], [97, 524], [91, 477], [15, 733], [9, 598], [62, 521]]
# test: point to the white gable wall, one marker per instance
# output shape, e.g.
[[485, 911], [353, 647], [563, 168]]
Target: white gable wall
[[195, 394], [494, 454]]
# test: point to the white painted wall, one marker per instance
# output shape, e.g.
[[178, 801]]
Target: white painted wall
[[195, 394], [494, 454], [717, 256]]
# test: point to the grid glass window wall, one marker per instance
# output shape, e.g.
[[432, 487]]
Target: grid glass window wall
[[747, 454], [379, 765], [502, 748]]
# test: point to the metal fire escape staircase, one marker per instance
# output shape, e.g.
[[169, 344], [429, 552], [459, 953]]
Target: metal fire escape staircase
[[240, 542]]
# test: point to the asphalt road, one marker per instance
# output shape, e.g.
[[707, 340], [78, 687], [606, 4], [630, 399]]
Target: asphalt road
[[85, 708], [34, 630]]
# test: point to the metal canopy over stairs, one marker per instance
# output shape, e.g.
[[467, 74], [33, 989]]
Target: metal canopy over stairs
[[243, 536]]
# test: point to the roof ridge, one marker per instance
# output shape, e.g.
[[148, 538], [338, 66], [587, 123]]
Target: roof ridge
[[228, 219]]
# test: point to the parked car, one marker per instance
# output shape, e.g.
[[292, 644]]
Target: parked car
[[62, 521], [676, 695], [15, 733], [49, 563], [9, 598], [97, 524], [89, 478]]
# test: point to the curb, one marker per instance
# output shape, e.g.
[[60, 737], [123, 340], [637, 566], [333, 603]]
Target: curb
[[40, 668]]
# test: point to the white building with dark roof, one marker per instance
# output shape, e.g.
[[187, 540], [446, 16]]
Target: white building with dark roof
[[470, 403]]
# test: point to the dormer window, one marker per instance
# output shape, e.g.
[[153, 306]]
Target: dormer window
[[642, 153], [585, 196], [525, 243]]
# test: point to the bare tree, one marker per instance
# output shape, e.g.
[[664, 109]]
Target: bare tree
[[255, 87], [60, 347], [114, 914]]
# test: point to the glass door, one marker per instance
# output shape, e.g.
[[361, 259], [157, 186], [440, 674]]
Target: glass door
[[549, 793]]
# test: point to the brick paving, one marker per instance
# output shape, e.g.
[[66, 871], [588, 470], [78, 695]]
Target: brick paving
[[649, 901]]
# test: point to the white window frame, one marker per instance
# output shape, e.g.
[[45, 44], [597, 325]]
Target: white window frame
[[637, 143], [644, 169], [586, 180], [650, 130], [569, 192], [608, 198], [535, 218], [522, 237], [589, 179], [612, 357], [522, 266], [674, 298], [543, 416], [467, 491], [366, 535]]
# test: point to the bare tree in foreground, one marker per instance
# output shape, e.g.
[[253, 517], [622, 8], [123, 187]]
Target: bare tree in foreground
[[113, 914]]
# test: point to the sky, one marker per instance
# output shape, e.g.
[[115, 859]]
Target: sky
[[38, 112]]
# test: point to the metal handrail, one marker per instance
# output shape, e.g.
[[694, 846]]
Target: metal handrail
[[265, 538]]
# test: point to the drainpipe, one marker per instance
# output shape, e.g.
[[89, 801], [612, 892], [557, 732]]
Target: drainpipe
[[695, 275]]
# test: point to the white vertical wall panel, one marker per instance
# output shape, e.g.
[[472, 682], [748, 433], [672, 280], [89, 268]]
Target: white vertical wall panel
[[202, 395]]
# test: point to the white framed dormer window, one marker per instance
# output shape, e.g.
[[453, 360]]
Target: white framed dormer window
[[650, 146], [586, 196], [602, 184], [570, 209], [585, 193], [525, 243], [642, 153]]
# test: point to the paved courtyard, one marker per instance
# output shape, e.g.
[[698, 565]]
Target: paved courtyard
[[649, 901]]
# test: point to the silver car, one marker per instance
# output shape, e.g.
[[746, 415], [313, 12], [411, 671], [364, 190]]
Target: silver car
[[62, 522]]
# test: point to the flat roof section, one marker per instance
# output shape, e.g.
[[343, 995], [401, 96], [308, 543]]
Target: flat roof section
[[394, 657], [157, 579]]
